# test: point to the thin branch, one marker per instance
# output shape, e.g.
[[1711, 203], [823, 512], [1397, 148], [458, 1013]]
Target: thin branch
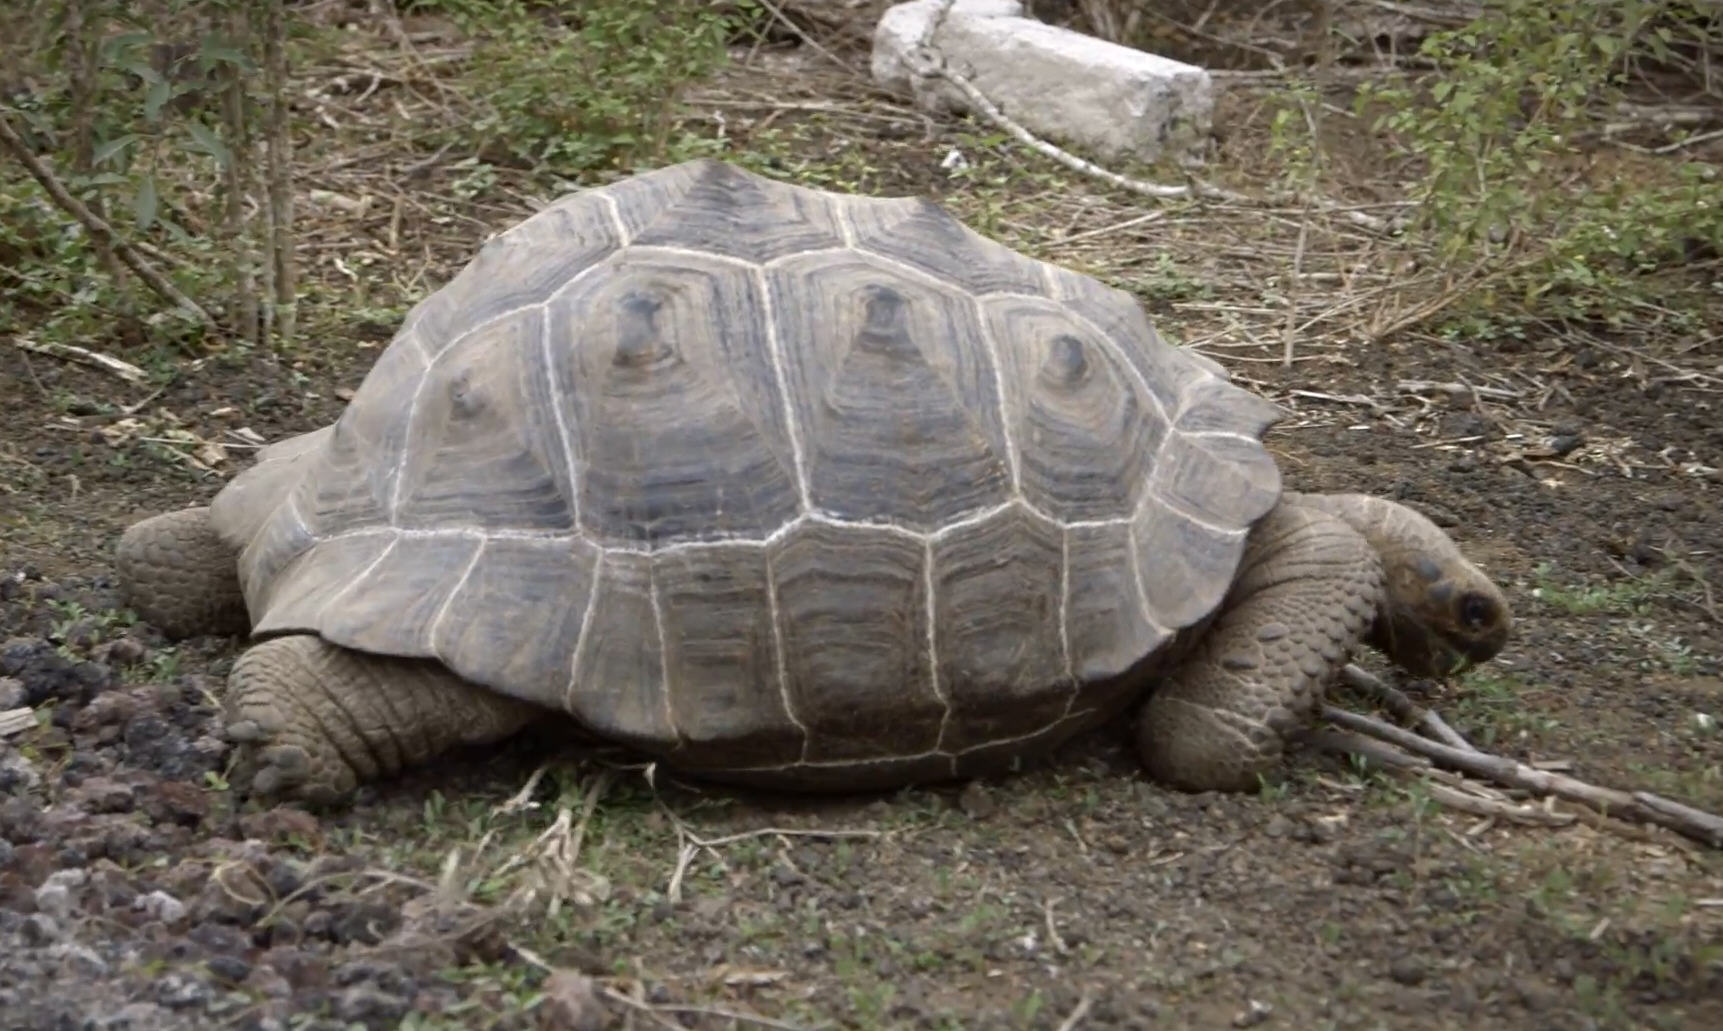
[[16, 721], [928, 63], [1641, 806], [236, 178], [97, 226], [783, 19], [73, 353], [83, 42], [1403, 708], [278, 160], [1344, 742]]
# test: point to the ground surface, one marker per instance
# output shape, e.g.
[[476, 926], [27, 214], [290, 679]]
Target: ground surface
[[135, 892]]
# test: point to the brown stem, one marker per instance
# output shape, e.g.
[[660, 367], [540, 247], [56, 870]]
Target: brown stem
[[1403, 708], [279, 158], [236, 179], [82, 42], [1642, 806], [97, 226]]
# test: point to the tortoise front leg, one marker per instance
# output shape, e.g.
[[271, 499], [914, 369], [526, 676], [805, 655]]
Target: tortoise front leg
[[314, 721], [180, 576], [1307, 591]]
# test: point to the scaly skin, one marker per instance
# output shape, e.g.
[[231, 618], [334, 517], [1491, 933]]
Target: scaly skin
[[314, 720], [1322, 574], [180, 577], [1307, 591]]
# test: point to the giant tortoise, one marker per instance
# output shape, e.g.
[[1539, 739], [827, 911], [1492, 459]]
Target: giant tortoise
[[791, 489]]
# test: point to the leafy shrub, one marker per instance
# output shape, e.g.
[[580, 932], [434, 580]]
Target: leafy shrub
[[153, 115], [572, 85], [1505, 134]]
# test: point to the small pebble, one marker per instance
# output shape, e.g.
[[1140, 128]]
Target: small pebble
[[80, 959], [571, 1002], [161, 906], [136, 1016], [181, 991], [228, 967], [364, 1003], [1254, 1013], [39, 929], [55, 900], [1406, 971], [975, 802]]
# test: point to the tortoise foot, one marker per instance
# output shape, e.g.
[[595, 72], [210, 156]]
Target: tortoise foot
[[314, 721], [180, 576]]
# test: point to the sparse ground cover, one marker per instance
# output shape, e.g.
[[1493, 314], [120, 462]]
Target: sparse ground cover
[[1554, 405]]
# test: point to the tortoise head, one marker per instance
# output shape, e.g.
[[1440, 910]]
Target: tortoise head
[[1440, 614]]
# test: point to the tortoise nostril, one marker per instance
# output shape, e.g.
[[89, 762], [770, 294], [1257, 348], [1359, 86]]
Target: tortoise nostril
[[1476, 612]]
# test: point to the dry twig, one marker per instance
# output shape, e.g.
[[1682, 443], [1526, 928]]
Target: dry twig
[[73, 353], [278, 157], [98, 227], [1641, 806], [236, 179], [1403, 708]]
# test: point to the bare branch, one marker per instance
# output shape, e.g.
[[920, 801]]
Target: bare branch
[[1403, 708], [73, 353], [1641, 806], [97, 226], [279, 158], [236, 180], [83, 41]]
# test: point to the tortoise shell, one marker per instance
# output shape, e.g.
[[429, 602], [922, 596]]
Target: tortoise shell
[[768, 482]]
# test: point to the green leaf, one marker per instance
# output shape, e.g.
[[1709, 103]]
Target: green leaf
[[218, 54], [143, 70], [145, 204], [209, 143], [155, 97], [115, 47], [112, 148]]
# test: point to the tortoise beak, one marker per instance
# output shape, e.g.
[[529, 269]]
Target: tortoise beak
[[1426, 651]]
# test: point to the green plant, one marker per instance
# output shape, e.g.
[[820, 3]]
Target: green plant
[[1510, 180], [573, 85], [139, 135]]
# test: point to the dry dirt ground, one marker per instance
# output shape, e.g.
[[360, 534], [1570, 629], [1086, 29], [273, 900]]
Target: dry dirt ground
[[135, 892]]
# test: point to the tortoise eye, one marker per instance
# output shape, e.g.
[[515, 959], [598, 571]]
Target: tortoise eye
[[1476, 611]]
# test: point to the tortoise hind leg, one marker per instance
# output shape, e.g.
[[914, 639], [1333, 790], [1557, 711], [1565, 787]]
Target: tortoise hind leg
[[180, 576], [314, 720], [1307, 592]]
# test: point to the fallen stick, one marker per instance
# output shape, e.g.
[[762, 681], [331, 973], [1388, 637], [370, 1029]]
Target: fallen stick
[[1425, 386], [1345, 742], [1640, 806], [73, 353], [98, 227], [1403, 708]]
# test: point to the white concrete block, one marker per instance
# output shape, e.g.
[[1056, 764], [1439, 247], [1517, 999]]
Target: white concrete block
[[902, 26], [1108, 100]]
